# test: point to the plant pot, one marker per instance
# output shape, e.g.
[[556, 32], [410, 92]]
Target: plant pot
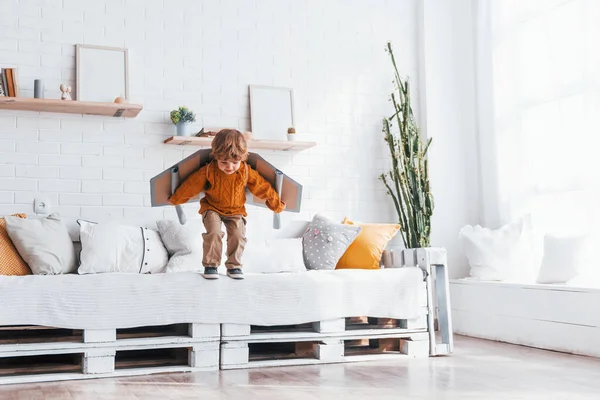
[[184, 129], [291, 137]]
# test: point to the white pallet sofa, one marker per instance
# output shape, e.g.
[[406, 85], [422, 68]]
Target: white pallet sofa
[[89, 326]]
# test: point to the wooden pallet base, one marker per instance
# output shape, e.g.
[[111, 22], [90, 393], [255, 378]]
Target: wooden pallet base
[[37, 354], [340, 340], [341, 327], [244, 354]]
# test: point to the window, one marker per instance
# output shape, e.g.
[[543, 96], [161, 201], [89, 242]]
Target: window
[[546, 112]]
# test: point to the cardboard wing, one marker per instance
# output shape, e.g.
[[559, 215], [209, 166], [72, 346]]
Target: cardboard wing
[[163, 184]]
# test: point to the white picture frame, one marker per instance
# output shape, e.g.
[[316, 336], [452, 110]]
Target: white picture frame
[[271, 112], [102, 73]]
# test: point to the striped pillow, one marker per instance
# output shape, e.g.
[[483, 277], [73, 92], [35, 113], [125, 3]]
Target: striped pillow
[[11, 262]]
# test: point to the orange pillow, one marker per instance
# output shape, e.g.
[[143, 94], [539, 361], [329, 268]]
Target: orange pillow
[[11, 262], [366, 250]]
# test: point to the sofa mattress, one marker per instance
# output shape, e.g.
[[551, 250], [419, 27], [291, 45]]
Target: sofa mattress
[[104, 301]]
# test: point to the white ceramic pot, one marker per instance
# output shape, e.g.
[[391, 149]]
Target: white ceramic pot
[[184, 129], [291, 137]]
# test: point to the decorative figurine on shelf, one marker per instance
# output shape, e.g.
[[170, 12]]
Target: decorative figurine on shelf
[[66, 92], [121, 100]]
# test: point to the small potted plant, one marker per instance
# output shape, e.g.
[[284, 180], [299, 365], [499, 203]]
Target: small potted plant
[[183, 117], [291, 134]]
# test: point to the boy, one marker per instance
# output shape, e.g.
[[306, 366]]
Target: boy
[[224, 181]]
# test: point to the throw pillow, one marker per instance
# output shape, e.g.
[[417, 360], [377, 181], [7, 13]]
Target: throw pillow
[[513, 252], [564, 258], [325, 241], [110, 247], [273, 256], [44, 244], [365, 252], [184, 244], [11, 262]]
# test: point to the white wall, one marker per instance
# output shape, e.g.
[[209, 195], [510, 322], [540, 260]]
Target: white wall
[[204, 54], [448, 97]]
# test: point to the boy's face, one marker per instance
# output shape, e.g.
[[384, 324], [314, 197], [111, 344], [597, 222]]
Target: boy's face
[[229, 166]]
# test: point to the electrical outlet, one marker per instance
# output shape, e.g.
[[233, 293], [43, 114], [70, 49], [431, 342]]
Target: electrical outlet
[[41, 206]]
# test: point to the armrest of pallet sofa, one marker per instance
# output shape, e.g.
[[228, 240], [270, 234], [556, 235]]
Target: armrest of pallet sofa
[[392, 258]]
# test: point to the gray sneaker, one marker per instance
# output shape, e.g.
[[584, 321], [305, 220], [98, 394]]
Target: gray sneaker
[[210, 273], [235, 273]]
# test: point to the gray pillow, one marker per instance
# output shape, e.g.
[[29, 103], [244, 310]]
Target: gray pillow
[[325, 241], [44, 244]]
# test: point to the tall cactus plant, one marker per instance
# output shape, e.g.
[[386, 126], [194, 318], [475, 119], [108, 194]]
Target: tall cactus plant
[[408, 180]]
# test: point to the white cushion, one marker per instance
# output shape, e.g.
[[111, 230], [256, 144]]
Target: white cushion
[[273, 256], [512, 253], [44, 244], [293, 229], [263, 253], [564, 258], [184, 244], [110, 247]]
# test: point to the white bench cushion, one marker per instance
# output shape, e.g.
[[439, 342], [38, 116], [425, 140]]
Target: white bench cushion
[[112, 300]]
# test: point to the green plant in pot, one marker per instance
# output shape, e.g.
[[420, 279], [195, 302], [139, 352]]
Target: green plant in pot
[[183, 117], [408, 180]]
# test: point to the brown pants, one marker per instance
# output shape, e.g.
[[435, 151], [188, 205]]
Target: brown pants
[[213, 239]]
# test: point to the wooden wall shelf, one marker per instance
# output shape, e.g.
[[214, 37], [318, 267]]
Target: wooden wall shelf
[[70, 107], [281, 145]]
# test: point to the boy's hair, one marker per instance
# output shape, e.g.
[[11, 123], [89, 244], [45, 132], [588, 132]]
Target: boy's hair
[[229, 144]]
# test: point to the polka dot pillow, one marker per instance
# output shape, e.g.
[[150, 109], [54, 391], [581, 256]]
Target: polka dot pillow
[[325, 241]]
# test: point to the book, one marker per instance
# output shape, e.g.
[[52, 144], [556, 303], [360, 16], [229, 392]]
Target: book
[[10, 84], [2, 91], [4, 81]]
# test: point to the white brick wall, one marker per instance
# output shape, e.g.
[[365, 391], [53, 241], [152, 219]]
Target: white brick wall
[[203, 54]]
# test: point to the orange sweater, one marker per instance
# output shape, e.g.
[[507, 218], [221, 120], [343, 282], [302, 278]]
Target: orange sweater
[[226, 194]]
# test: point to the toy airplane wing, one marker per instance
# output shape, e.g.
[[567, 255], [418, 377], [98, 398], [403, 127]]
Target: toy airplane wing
[[163, 184]]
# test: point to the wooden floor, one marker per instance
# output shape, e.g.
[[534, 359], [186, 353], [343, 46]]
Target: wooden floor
[[478, 370]]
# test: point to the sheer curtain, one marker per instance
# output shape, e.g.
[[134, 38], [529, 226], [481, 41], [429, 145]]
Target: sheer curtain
[[539, 94]]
